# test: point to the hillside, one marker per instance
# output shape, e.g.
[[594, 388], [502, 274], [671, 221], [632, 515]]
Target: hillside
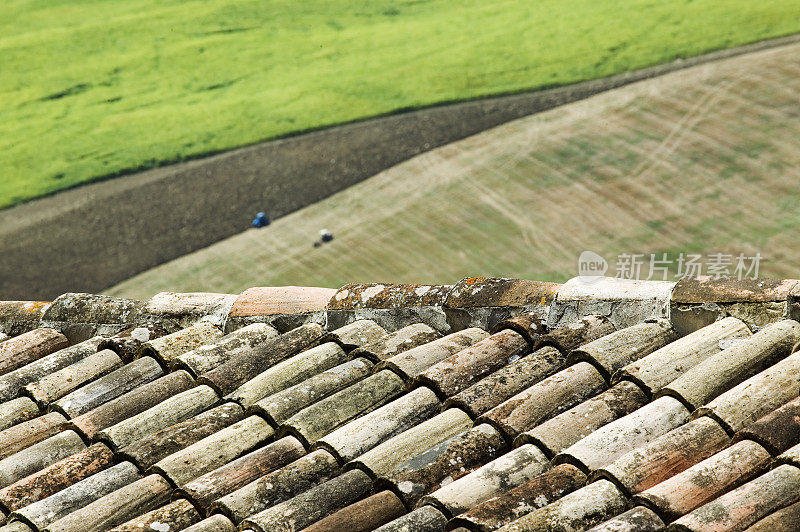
[[95, 88], [703, 160]]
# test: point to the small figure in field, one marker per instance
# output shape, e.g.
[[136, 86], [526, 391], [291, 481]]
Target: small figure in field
[[324, 236], [261, 220]]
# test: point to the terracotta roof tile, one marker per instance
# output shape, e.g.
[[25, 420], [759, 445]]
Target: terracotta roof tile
[[786, 519], [507, 381], [666, 456], [638, 519], [443, 463], [568, 428], [616, 350], [423, 519], [362, 516], [469, 365], [734, 364], [500, 292], [176, 515], [582, 508], [18, 317], [545, 399], [777, 431], [746, 504], [268, 301], [334, 413], [670, 362], [729, 290], [638, 428], [705, 480], [540, 491], [400, 341]]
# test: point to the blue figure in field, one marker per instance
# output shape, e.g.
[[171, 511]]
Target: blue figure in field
[[261, 220]]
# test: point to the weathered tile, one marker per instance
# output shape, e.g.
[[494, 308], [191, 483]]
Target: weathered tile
[[757, 396], [29, 347], [578, 510], [168, 348], [545, 399], [11, 383], [443, 463], [663, 366], [567, 428], [186, 308], [116, 383], [616, 350], [279, 407], [289, 372], [777, 431], [176, 515], [80, 316], [573, 335], [666, 456], [19, 317], [214, 451], [77, 496], [56, 385], [246, 365], [469, 365], [414, 361], [540, 491], [740, 361], [400, 341], [638, 428], [527, 324], [117, 507], [17, 411], [423, 519], [386, 456], [324, 416], [213, 354], [786, 519], [745, 505], [356, 334], [705, 480], [177, 408], [507, 381], [278, 486], [362, 516], [306, 508], [150, 449], [23, 435], [215, 484], [490, 480], [38, 456], [215, 523], [638, 519], [364, 433], [132, 403], [56, 477]]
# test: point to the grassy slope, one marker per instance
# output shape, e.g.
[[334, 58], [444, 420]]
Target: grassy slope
[[91, 88], [704, 160]]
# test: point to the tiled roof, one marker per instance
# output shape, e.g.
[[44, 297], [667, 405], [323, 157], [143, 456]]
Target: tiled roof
[[488, 404]]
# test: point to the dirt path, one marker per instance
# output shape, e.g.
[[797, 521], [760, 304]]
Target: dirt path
[[93, 237]]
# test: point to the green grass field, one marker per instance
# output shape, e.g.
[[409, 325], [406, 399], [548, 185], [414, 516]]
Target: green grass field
[[700, 161], [96, 88]]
